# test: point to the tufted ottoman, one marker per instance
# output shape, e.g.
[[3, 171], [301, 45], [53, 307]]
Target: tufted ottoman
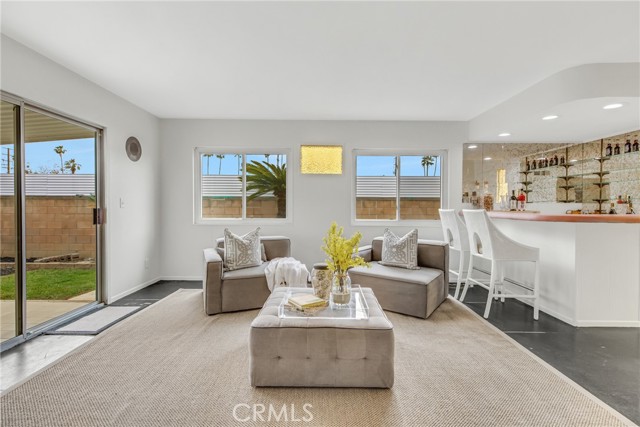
[[321, 352]]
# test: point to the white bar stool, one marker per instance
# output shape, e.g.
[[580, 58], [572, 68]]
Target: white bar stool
[[455, 234], [487, 242]]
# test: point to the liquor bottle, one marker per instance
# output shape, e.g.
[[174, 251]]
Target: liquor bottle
[[630, 209], [608, 151], [533, 165], [555, 160], [620, 201], [612, 209], [513, 202], [546, 162], [627, 146], [527, 165], [616, 149], [522, 199], [540, 164], [636, 147], [562, 160]]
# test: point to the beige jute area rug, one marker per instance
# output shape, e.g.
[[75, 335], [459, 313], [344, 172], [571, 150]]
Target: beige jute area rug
[[171, 365]]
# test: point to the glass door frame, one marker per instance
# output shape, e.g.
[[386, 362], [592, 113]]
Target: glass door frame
[[22, 332]]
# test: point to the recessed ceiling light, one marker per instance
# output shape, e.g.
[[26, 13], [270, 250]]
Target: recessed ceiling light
[[471, 147], [551, 117], [487, 158], [612, 106], [504, 134]]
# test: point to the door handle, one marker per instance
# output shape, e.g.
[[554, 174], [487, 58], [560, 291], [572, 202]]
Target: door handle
[[98, 216]]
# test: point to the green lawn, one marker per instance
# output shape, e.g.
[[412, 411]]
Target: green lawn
[[51, 284]]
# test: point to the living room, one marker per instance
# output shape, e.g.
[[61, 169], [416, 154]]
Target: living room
[[247, 80]]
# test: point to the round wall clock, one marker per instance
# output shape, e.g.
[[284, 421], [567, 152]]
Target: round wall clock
[[134, 149]]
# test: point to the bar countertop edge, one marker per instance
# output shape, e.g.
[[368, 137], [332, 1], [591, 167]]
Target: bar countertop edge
[[601, 218]]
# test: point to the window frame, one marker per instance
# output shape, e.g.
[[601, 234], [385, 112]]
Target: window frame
[[444, 202], [197, 185]]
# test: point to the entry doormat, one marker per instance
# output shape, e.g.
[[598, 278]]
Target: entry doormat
[[97, 321]]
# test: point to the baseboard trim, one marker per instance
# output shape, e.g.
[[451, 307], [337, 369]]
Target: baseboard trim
[[180, 278], [608, 323], [551, 313], [587, 323], [565, 319], [143, 285]]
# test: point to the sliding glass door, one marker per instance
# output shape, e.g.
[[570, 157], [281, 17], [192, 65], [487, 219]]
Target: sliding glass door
[[50, 243], [8, 286], [60, 234]]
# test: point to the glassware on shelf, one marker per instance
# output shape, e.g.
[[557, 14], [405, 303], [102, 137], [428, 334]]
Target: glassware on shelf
[[609, 150]]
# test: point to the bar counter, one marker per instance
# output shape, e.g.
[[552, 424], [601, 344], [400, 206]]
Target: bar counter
[[599, 218], [590, 264]]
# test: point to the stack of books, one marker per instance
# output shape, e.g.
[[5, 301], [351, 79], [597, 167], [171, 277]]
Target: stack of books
[[304, 302]]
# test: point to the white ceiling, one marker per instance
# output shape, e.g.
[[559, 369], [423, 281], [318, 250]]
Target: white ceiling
[[323, 60]]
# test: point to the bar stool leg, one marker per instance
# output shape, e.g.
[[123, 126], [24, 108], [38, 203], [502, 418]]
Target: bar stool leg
[[455, 295], [492, 284], [536, 291], [466, 283], [502, 282], [498, 282]]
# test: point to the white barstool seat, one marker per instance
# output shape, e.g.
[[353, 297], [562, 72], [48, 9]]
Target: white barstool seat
[[488, 243], [455, 234]]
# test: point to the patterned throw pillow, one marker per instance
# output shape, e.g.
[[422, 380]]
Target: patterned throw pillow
[[242, 251], [263, 254], [400, 251]]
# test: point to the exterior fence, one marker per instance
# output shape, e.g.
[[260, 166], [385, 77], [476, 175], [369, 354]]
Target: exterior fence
[[58, 220], [419, 187], [366, 186], [56, 225], [427, 187], [51, 185]]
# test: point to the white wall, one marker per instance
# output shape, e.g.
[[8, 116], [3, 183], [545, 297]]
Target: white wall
[[317, 199], [132, 233]]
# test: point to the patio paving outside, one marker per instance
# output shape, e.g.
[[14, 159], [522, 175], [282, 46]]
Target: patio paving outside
[[38, 312]]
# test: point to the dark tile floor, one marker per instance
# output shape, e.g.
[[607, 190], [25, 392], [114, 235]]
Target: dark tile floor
[[605, 361], [156, 292]]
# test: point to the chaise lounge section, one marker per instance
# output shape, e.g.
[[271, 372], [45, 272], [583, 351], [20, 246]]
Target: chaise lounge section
[[413, 292], [244, 289]]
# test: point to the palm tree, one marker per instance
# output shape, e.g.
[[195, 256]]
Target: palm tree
[[426, 162], [220, 156], [208, 156], [72, 166], [60, 151], [264, 178]]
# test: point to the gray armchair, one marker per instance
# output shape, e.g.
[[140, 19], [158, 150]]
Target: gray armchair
[[414, 292], [243, 289]]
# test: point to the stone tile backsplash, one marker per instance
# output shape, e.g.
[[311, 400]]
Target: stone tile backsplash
[[547, 183]]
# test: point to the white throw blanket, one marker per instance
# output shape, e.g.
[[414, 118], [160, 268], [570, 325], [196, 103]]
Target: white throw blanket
[[286, 272]]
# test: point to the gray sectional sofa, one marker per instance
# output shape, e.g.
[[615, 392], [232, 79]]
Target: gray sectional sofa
[[414, 292], [243, 289]]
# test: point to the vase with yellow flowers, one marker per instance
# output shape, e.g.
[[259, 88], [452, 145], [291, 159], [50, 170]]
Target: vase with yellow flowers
[[342, 253]]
